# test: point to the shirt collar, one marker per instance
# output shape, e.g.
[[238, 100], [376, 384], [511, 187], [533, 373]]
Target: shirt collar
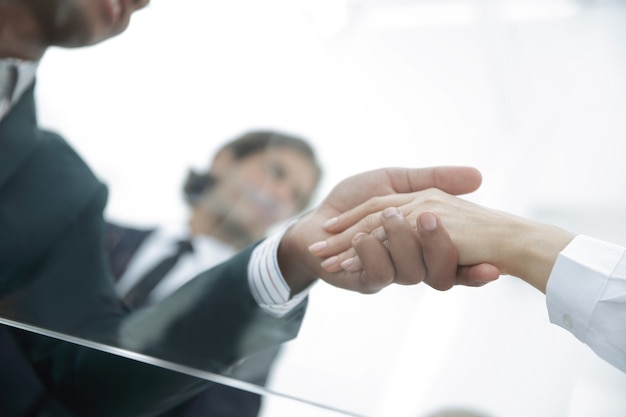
[[202, 244], [26, 71]]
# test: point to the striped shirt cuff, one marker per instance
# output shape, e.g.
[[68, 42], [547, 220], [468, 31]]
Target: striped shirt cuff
[[267, 284]]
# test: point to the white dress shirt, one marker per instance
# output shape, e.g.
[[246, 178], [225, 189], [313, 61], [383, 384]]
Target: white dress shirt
[[26, 71], [586, 294], [266, 282], [207, 253]]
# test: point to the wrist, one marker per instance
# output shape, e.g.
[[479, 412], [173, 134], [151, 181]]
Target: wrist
[[534, 251], [298, 267]]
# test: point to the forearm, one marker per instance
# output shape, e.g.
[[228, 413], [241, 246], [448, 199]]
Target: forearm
[[517, 246], [530, 251]]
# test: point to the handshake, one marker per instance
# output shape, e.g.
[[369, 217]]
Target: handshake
[[406, 226]]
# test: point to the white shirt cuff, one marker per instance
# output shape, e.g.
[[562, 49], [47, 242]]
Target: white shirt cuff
[[267, 283], [578, 281]]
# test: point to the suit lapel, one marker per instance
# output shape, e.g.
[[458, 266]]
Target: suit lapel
[[121, 244]]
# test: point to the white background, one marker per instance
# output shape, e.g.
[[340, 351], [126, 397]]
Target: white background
[[531, 93]]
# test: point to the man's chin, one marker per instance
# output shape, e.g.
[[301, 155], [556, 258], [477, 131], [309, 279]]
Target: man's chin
[[63, 24], [75, 41], [75, 34]]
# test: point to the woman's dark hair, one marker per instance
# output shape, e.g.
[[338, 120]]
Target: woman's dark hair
[[244, 146]]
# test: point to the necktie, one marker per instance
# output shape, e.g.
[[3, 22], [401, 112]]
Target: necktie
[[138, 295], [8, 80]]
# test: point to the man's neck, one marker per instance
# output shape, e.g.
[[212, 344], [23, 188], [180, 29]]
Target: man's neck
[[20, 35]]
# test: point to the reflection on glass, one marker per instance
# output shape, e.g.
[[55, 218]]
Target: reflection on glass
[[220, 392]]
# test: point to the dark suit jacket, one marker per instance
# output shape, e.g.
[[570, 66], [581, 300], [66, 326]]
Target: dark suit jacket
[[54, 275], [121, 244]]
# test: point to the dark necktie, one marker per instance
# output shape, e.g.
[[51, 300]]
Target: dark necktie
[[8, 80], [138, 295]]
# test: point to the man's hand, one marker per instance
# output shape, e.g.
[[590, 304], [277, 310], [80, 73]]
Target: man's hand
[[436, 258]]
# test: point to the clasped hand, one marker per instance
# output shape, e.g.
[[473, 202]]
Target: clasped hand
[[350, 222], [401, 238]]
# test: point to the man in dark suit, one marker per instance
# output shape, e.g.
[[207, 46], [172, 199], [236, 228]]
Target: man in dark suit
[[54, 274], [254, 180]]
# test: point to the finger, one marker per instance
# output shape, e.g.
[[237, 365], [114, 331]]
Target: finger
[[334, 248], [378, 269], [398, 181], [451, 179], [404, 248], [477, 275], [352, 264], [334, 244], [335, 263], [439, 252], [404, 183], [359, 214], [369, 216], [342, 241]]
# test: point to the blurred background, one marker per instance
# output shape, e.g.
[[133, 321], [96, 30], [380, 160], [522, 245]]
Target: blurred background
[[533, 93]]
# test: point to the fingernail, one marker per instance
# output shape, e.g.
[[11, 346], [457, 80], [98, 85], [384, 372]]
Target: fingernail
[[330, 222], [327, 263], [357, 237], [391, 211], [347, 263], [356, 265], [318, 246], [486, 281], [428, 221]]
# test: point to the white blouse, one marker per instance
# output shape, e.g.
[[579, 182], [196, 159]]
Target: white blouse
[[586, 294]]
